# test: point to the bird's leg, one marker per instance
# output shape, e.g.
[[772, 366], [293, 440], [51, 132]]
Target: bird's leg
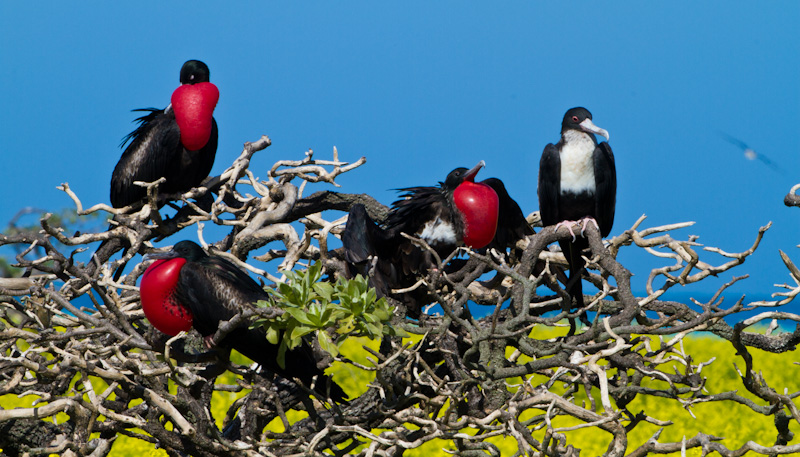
[[568, 225], [209, 341], [585, 222]]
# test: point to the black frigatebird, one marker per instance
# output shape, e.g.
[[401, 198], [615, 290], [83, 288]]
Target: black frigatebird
[[578, 183], [458, 211], [177, 143], [187, 288]]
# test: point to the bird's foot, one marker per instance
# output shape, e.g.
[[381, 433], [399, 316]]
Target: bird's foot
[[209, 341], [568, 225], [585, 222]]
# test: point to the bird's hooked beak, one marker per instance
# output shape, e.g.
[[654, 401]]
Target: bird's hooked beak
[[470, 175], [588, 126], [171, 254]]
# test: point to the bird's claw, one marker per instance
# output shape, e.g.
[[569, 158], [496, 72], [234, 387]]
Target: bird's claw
[[209, 341], [585, 222], [568, 225]]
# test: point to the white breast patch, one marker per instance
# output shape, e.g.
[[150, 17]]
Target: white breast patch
[[438, 231], [577, 163]]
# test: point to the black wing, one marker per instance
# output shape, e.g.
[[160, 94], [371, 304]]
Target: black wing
[[368, 249], [143, 122], [215, 289], [224, 268], [735, 141], [549, 185], [511, 223], [605, 176], [153, 147], [416, 206], [187, 169], [362, 237], [202, 160]]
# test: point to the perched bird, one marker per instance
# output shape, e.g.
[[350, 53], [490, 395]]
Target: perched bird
[[177, 143], [457, 212], [578, 183], [188, 288]]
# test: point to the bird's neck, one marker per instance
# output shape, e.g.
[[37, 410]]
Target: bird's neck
[[577, 162]]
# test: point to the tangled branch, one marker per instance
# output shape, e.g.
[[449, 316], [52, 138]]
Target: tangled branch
[[477, 380]]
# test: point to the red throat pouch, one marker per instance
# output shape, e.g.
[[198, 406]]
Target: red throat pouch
[[194, 109]]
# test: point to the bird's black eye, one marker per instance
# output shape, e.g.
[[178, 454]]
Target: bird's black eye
[[574, 118]]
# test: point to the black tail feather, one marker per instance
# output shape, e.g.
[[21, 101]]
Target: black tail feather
[[300, 362], [358, 237], [366, 248], [572, 251]]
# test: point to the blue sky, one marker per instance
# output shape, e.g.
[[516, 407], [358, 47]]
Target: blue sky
[[421, 88]]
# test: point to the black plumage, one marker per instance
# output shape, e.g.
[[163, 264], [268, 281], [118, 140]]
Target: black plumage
[[156, 151], [578, 182], [511, 223], [215, 290], [392, 261]]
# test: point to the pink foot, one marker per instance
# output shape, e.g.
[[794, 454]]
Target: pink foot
[[209, 341], [585, 222], [568, 225]]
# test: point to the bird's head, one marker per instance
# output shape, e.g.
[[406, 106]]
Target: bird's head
[[581, 119], [460, 175], [185, 249], [194, 71]]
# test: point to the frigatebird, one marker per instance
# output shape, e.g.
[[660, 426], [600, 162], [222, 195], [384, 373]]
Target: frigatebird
[[457, 212], [177, 143], [188, 288], [578, 183], [751, 154]]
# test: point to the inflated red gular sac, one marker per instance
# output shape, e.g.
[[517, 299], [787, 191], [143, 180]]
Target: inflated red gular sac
[[479, 206], [194, 108], [157, 291]]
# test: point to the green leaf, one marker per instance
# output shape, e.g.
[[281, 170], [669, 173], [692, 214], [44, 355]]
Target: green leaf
[[272, 335], [282, 356], [346, 325], [296, 335], [284, 288], [315, 271], [299, 315], [371, 295], [382, 314], [374, 330], [326, 344], [325, 290], [326, 316], [315, 319]]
